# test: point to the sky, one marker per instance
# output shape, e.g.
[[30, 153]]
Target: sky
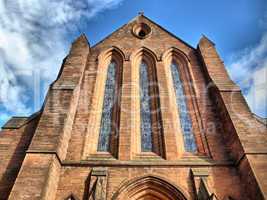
[[35, 36]]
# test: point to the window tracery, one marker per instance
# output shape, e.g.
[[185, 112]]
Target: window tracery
[[107, 111], [145, 110], [185, 120]]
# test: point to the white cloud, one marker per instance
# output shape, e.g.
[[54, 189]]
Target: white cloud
[[249, 70], [33, 44], [257, 95]]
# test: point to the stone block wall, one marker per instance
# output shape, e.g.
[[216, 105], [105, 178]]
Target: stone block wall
[[60, 160]]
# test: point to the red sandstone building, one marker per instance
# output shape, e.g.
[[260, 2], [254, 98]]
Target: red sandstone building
[[141, 115]]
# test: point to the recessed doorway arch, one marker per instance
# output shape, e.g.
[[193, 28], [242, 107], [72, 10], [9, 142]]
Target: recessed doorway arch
[[149, 188]]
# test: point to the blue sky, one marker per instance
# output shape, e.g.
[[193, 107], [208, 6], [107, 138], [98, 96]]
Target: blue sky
[[35, 36]]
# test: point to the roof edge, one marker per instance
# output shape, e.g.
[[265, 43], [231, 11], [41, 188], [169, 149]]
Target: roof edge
[[172, 34], [147, 18], [21, 121], [260, 119]]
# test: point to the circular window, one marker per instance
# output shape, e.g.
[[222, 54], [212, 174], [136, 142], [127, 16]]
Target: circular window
[[141, 30]]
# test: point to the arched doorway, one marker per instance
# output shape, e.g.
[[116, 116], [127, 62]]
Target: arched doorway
[[148, 188]]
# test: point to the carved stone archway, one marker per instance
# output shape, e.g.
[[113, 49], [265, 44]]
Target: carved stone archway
[[148, 188]]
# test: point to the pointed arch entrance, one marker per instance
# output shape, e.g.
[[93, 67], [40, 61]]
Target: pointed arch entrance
[[148, 188]]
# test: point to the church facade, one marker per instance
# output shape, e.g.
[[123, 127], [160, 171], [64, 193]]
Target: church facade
[[141, 115]]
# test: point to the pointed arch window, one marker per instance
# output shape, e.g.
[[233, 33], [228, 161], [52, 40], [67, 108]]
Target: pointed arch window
[[145, 109], [147, 120], [102, 139], [185, 120], [109, 118]]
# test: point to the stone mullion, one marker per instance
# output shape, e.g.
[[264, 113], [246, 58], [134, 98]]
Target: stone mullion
[[125, 118], [116, 110], [157, 131], [170, 138], [135, 109]]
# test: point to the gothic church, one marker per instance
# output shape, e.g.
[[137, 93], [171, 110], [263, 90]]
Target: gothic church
[[141, 115]]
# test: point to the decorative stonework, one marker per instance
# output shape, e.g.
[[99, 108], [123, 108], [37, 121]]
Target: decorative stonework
[[200, 179], [140, 56], [148, 187], [92, 149], [96, 185], [50, 156], [141, 30]]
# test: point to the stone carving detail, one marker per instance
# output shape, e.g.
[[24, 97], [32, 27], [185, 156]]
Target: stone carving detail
[[203, 192], [95, 185]]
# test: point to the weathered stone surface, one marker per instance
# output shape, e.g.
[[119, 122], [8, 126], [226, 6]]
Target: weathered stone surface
[[54, 155]]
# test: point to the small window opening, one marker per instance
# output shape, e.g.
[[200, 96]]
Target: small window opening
[[142, 33], [141, 30]]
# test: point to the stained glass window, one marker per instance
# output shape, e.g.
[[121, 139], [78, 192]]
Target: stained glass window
[[185, 120], [145, 110], [109, 100]]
